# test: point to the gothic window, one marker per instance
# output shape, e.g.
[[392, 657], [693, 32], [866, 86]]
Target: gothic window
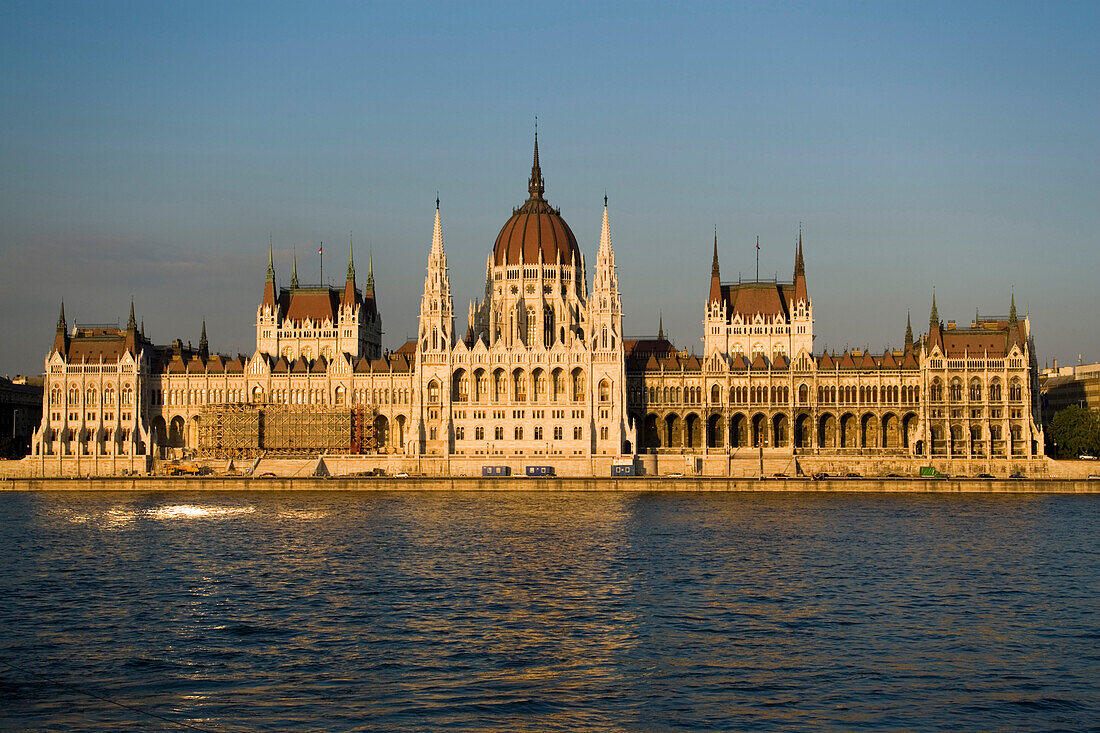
[[257, 394], [519, 380], [715, 394], [482, 385], [578, 433], [55, 395], [519, 433], [975, 390], [540, 385], [936, 394], [605, 391], [339, 395], [108, 396], [89, 397], [479, 433], [603, 337], [500, 385], [531, 324], [995, 391], [578, 385], [1015, 391], [433, 392], [956, 390]]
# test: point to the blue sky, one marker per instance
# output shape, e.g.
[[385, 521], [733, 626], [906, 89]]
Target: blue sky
[[150, 149]]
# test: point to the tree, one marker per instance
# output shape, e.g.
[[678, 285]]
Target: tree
[[1076, 431]]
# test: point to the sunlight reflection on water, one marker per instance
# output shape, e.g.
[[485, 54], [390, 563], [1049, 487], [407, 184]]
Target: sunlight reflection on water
[[306, 611]]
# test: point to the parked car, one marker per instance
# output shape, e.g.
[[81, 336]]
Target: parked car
[[985, 475], [401, 475], [852, 474]]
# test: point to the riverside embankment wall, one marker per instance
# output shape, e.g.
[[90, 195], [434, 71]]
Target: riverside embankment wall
[[685, 484]]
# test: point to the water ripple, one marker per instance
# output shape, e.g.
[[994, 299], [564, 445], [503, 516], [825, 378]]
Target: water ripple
[[412, 611]]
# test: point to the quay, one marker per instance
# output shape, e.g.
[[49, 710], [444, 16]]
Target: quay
[[551, 484]]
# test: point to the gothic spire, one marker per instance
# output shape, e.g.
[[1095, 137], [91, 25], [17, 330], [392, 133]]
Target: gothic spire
[[908, 332], [370, 272], [61, 326], [535, 185], [1012, 319], [270, 262], [605, 233], [351, 260], [715, 276], [660, 326], [204, 346], [934, 317], [437, 233], [131, 325], [799, 265], [294, 270]]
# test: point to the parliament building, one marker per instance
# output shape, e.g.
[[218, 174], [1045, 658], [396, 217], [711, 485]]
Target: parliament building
[[543, 373]]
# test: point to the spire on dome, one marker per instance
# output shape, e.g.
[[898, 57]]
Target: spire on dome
[[535, 185], [294, 270]]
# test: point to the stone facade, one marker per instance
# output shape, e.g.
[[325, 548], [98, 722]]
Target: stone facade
[[543, 374]]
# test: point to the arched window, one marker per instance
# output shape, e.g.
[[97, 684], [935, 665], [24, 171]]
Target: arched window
[[519, 381], [578, 385], [975, 390], [257, 394], [605, 391], [482, 385], [531, 324], [804, 394], [55, 395], [995, 391], [433, 392], [89, 397], [1015, 391], [500, 385], [956, 390], [936, 393], [339, 395]]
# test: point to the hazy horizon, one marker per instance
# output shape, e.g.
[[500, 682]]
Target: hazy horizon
[[150, 151]]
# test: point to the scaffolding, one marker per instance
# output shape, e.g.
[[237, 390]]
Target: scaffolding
[[230, 431], [247, 430], [296, 429]]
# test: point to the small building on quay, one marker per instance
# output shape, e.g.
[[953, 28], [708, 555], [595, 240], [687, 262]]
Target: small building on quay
[[544, 374]]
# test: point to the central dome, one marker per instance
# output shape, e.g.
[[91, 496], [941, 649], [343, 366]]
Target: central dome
[[536, 227]]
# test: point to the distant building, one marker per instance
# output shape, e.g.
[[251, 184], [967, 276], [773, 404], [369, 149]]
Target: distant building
[[543, 369], [20, 414], [1063, 387]]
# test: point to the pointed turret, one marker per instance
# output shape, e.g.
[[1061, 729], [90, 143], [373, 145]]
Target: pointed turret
[[660, 326], [934, 334], [908, 333], [1012, 319], [131, 331], [204, 346], [800, 292], [436, 305], [294, 271], [270, 294], [61, 339], [715, 275], [370, 274], [348, 299]]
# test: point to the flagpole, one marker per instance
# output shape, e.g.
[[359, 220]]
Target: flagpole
[[321, 251], [758, 259]]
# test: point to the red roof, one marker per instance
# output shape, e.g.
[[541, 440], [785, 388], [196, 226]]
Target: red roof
[[316, 304]]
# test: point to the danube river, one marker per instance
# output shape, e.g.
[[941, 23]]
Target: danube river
[[230, 611]]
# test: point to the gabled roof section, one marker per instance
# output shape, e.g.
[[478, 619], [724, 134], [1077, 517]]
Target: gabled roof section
[[759, 362], [362, 366], [300, 366], [749, 299], [320, 365], [738, 362], [316, 304], [826, 362], [282, 366], [847, 362], [780, 362]]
